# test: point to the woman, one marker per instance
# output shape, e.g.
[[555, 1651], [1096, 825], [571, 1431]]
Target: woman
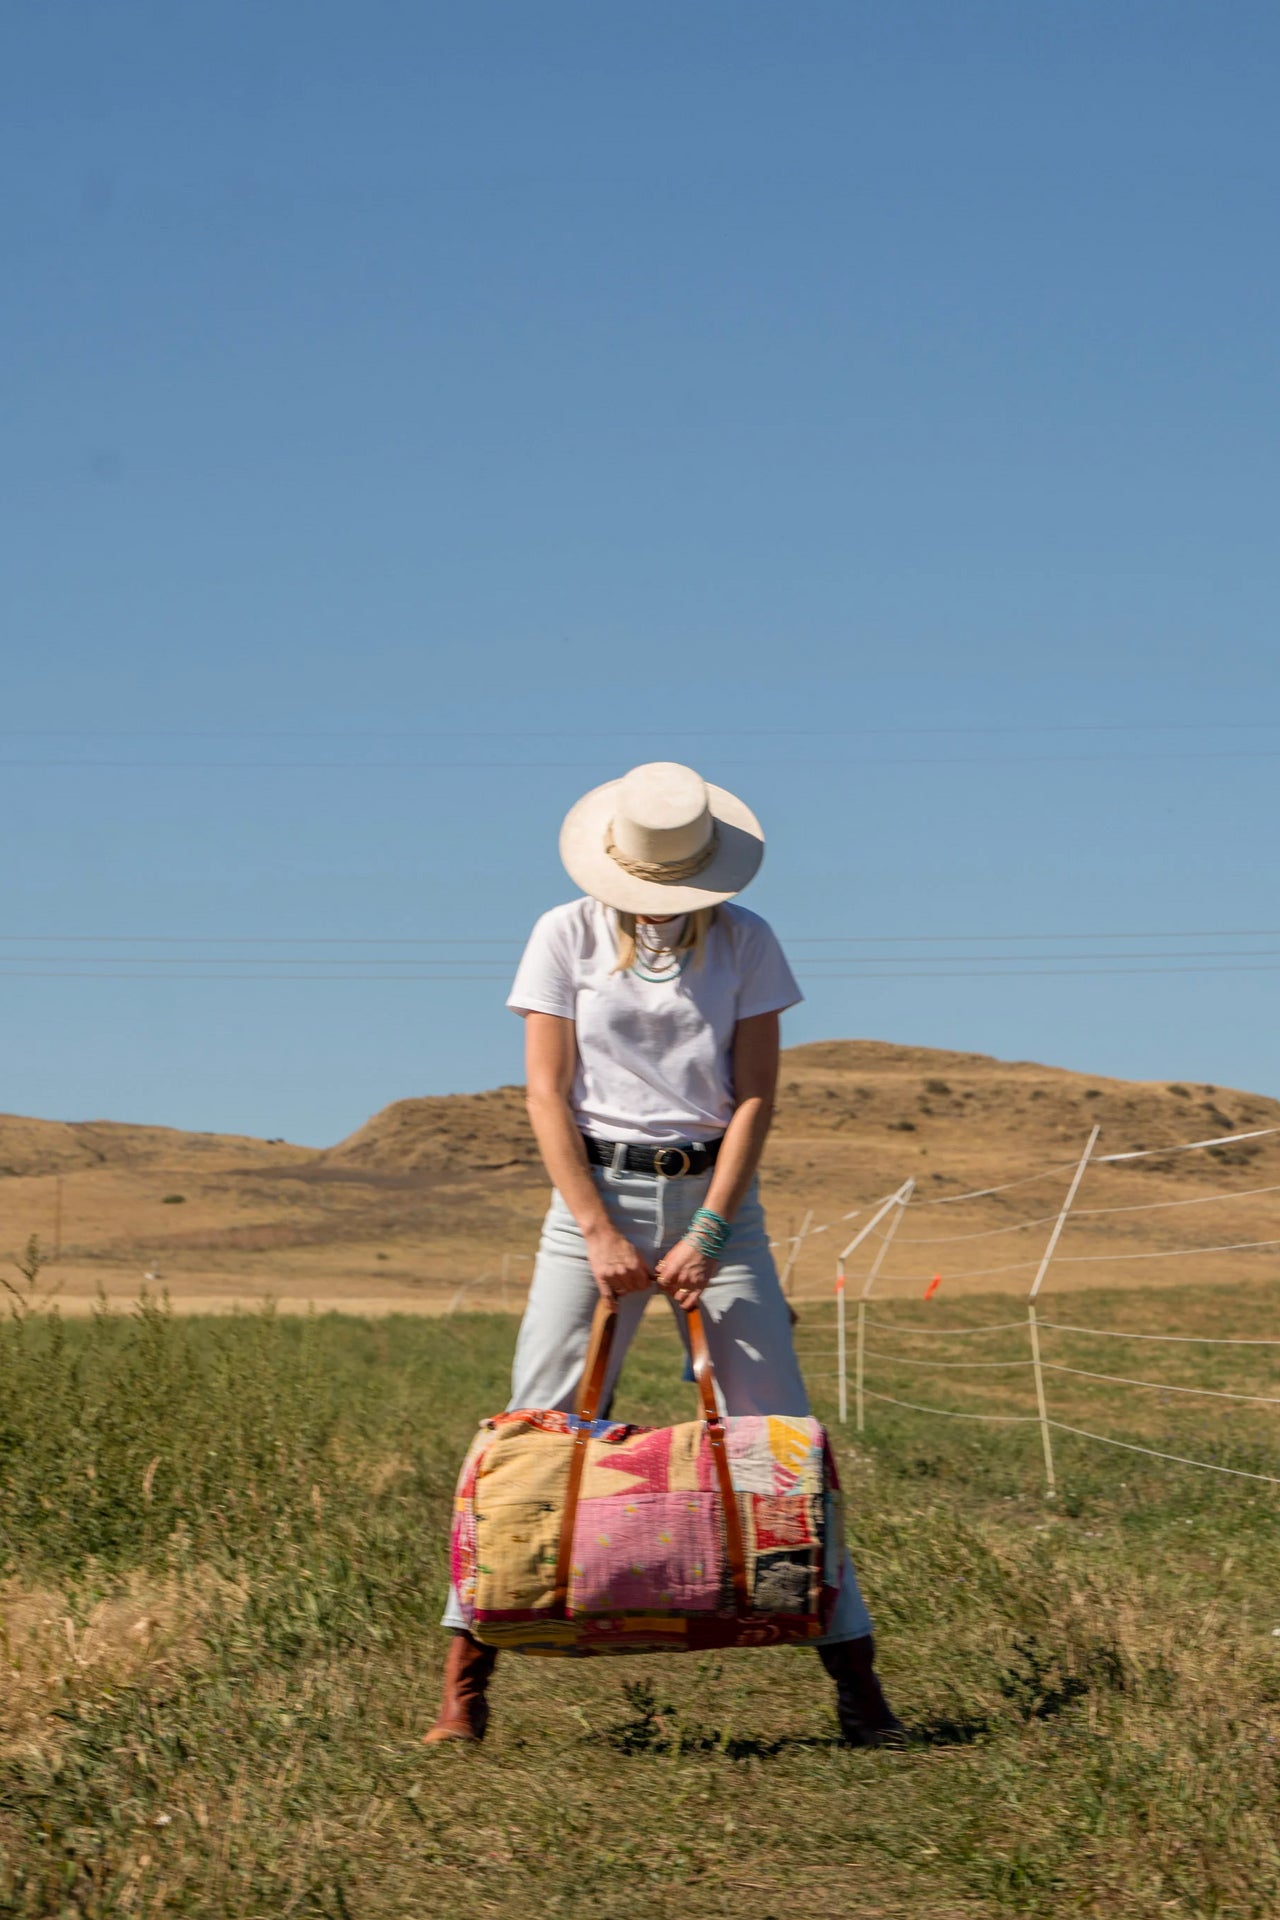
[[651, 1011]]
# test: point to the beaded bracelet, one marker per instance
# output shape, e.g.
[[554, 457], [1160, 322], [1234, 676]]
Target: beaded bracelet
[[709, 1232]]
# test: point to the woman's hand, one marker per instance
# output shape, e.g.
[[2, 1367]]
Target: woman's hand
[[685, 1273], [616, 1266]]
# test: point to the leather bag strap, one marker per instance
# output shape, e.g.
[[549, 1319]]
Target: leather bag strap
[[603, 1329], [704, 1374], [596, 1365]]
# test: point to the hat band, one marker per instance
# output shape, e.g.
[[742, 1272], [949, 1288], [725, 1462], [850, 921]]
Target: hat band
[[664, 871]]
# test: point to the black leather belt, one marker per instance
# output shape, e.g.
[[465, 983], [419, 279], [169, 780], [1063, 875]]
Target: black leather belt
[[687, 1156]]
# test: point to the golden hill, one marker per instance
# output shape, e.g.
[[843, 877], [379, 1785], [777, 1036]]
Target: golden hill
[[431, 1193]]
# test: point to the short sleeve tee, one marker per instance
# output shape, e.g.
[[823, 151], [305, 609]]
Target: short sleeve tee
[[654, 1057]]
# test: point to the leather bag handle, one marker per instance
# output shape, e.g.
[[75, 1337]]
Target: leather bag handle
[[704, 1374], [596, 1365], [603, 1328]]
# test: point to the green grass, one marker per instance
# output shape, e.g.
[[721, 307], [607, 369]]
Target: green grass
[[222, 1548]]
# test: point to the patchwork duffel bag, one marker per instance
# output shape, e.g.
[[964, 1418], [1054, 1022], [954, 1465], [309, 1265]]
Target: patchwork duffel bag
[[576, 1535]]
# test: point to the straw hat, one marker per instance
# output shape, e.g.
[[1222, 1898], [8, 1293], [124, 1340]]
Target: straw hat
[[661, 840]]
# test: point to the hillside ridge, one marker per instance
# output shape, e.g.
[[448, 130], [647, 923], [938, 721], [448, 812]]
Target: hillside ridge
[[433, 1191]]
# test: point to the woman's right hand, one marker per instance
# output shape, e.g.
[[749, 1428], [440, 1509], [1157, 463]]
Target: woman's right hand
[[616, 1266]]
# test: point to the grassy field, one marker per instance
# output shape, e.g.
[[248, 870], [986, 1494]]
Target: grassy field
[[222, 1558]]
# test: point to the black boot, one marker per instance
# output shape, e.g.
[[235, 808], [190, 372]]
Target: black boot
[[866, 1718]]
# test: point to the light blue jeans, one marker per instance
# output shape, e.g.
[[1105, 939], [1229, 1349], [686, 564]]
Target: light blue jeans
[[747, 1323]]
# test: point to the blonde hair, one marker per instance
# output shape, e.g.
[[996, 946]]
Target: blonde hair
[[693, 938]]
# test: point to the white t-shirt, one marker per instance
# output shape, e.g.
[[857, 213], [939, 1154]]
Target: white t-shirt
[[654, 1058]]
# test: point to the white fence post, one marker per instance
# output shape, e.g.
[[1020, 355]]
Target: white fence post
[[464, 1288], [879, 1214], [796, 1242], [901, 1197], [842, 1372], [885, 1206], [895, 1204], [1051, 1484], [860, 1350], [1061, 1220]]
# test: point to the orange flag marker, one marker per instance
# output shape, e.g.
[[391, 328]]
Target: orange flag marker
[[933, 1286]]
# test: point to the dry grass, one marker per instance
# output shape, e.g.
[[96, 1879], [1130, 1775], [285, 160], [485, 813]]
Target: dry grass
[[143, 1632]]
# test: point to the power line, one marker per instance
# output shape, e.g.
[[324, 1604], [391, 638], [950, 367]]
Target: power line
[[913, 960], [848, 771], [492, 979], [11, 970], [929, 960], [261, 940], [917, 939], [1043, 973], [516, 940], [630, 733], [232, 960]]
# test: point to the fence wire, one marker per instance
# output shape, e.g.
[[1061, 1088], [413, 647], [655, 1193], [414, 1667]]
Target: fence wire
[[1162, 1386], [1044, 1173], [1081, 1213], [1035, 1327], [1190, 1339], [916, 1360], [997, 1326], [1185, 1146], [1131, 1446], [949, 1413]]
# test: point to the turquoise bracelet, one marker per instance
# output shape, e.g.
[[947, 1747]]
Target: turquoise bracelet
[[709, 1232]]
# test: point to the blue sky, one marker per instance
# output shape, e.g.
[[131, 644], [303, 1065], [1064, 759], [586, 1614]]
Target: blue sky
[[414, 415]]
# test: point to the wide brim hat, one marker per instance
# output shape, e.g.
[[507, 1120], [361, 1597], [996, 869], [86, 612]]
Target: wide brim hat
[[661, 840]]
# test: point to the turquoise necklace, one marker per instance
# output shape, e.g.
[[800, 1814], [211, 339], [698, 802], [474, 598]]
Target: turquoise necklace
[[678, 963], [658, 964]]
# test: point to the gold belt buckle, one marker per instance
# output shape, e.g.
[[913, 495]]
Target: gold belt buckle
[[660, 1162]]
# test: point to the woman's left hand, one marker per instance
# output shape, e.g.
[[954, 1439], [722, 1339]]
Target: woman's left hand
[[684, 1273]]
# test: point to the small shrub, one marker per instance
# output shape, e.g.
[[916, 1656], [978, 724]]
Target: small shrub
[[902, 1126], [923, 1466], [1094, 1093], [644, 1728], [936, 1086], [1182, 1092], [1238, 1156], [31, 1297], [174, 1200]]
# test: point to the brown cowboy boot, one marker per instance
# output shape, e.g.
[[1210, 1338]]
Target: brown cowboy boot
[[464, 1711], [866, 1718]]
